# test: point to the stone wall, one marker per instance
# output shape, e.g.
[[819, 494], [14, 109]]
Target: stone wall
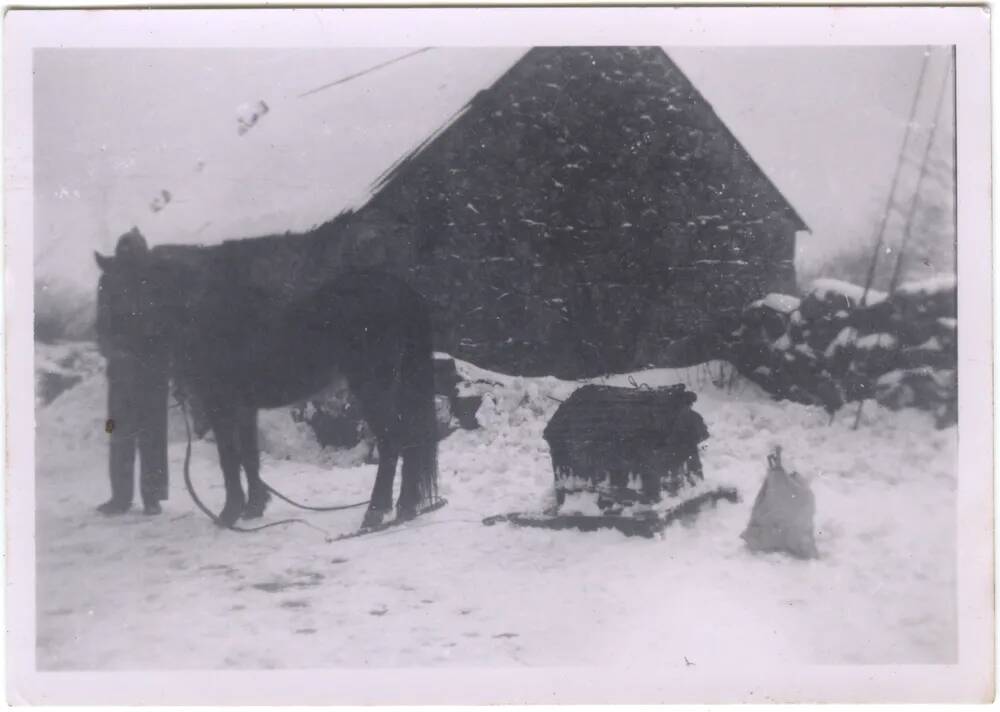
[[581, 213]]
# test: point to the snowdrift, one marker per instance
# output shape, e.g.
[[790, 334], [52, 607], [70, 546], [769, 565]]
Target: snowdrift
[[448, 591]]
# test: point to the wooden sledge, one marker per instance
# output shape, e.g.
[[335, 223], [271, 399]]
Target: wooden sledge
[[647, 524]]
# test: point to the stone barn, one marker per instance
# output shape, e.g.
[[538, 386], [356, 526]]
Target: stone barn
[[579, 216]]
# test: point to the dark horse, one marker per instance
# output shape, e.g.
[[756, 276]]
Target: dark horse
[[264, 322]]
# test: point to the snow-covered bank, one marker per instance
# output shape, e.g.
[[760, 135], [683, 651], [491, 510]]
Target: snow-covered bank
[[175, 592]]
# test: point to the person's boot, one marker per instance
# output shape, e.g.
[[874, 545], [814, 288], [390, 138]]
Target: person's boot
[[152, 508], [113, 507]]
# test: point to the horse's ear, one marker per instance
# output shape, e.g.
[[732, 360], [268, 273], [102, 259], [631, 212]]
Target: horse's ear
[[103, 261]]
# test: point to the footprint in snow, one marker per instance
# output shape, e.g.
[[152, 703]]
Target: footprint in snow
[[378, 611], [226, 568], [311, 579], [294, 604]]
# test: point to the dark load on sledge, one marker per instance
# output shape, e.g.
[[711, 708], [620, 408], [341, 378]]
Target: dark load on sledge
[[624, 446], [627, 444]]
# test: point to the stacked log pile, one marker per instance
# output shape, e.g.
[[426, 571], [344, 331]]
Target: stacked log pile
[[826, 348]]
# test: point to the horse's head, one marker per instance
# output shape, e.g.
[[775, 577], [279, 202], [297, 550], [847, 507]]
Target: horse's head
[[129, 317]]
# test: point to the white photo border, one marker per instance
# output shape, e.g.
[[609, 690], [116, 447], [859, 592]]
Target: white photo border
[[966, 28]]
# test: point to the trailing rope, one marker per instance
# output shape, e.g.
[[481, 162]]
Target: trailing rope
[[335, 508], [211, 515], [410, 526]]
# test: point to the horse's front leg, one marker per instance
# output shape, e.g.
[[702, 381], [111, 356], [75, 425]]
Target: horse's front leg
[[257, 494], [227, 440]]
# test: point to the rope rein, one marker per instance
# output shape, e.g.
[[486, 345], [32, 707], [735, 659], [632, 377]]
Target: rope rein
[[246, 530], [335, 508]]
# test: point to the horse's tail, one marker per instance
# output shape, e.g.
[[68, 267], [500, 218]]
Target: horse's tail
[[417, 393]]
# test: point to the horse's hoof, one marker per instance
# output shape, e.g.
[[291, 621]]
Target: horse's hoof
[[406, 513], [374, 517], [152, 508], [113, 507], [255, 506], [228, 516], [253, 512]]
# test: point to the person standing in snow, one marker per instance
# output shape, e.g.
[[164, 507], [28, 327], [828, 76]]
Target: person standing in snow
[[137, 381]]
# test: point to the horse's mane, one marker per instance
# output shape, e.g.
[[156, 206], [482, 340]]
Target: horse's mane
[[286, 262], [261, 245], [329, 231]]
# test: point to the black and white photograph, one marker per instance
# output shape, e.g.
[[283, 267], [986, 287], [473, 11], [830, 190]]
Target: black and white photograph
[[368, 343]]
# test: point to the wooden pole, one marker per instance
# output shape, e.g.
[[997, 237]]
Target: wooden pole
[[880, 235], [349, 77], [915, 203]]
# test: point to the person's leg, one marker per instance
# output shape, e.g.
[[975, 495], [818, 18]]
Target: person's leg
[[153, 439], [122, 426]]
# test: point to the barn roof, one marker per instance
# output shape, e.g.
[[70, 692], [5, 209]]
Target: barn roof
[[566, 125]]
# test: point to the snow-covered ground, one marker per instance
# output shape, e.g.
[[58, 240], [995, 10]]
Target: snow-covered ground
[[175, 592]]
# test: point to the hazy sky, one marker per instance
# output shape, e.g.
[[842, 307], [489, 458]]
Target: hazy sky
[[115, 127]]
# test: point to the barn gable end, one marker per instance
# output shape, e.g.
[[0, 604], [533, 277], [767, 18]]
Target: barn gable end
[[579, 215]]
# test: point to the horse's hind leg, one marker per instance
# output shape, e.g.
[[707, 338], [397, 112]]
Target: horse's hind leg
[[375, 403], [227, 441], [381, 501], [419, 475], [257, 495]]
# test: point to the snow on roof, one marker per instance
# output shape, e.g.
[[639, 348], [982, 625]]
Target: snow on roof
[[934, 285], [826, 286]]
